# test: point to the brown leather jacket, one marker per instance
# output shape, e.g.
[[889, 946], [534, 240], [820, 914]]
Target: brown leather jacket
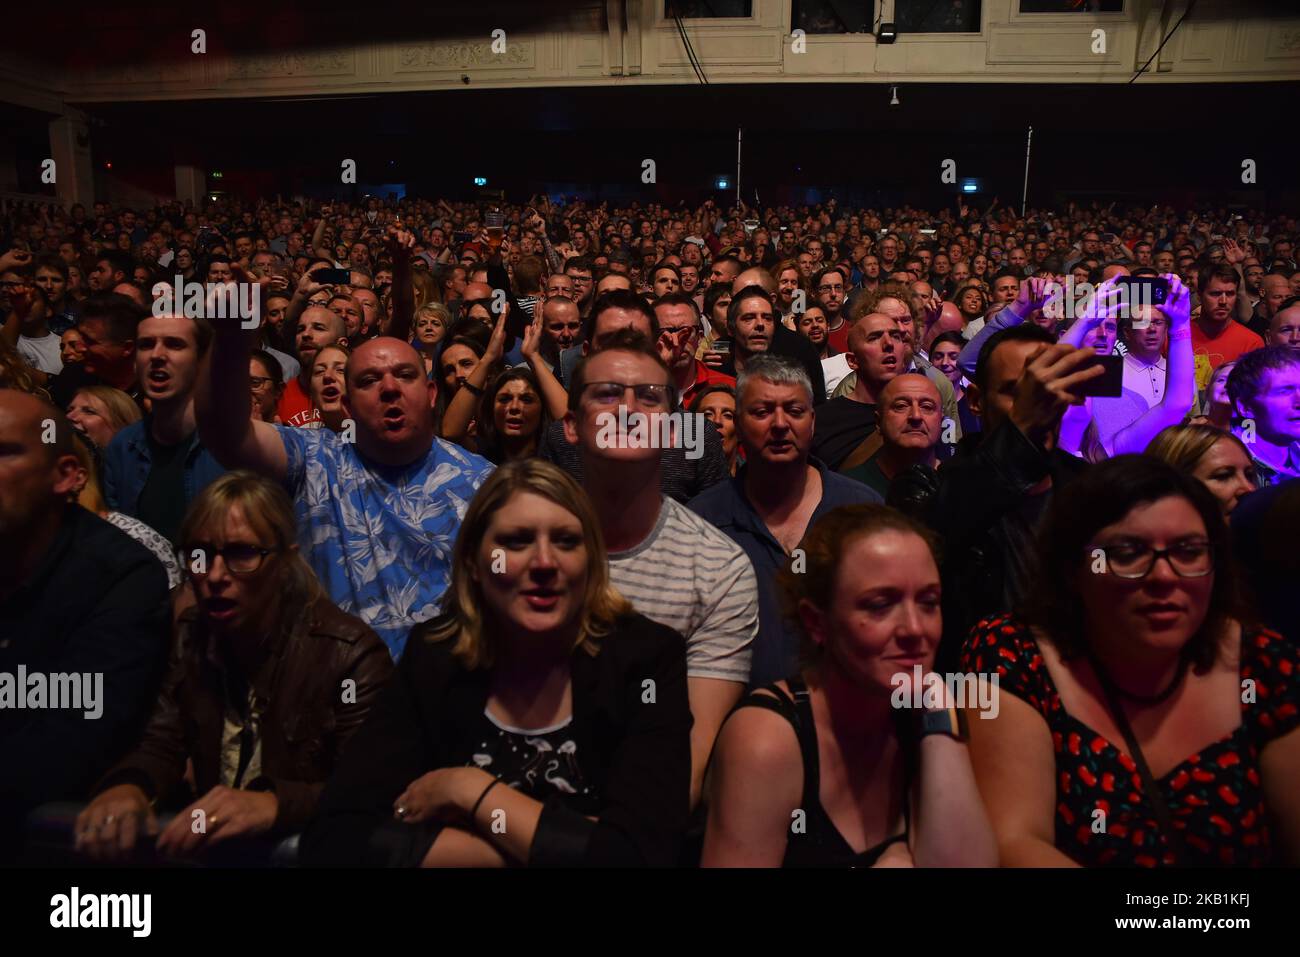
[[308, 715]]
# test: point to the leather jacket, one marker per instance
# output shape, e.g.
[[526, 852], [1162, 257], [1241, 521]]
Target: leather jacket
[[308, 712]]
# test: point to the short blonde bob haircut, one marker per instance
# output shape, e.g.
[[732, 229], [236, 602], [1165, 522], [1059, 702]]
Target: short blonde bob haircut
[[464, 613]]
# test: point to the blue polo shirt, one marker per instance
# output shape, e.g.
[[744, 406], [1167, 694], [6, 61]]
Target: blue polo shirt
[[776, 650]]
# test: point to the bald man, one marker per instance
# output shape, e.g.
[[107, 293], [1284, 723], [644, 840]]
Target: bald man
[[378, 504], [78, 598], [1284, 330], [317, 328], [909, 417], [1275, 289], [877, 353]]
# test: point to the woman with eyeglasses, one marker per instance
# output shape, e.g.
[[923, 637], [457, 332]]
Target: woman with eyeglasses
[[1144, 720], [539, 721], [266, 380], [266, 682]]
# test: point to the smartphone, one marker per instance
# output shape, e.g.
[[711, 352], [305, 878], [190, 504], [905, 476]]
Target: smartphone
[[1109, 238], [332, 277], [461, 237], [1108, 385], [1142, 290], [722, 345]]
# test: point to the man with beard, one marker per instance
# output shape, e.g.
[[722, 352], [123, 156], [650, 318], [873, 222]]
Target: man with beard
[[1216, 337]]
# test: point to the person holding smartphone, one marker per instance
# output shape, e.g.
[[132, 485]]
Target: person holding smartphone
[[1124, 423]]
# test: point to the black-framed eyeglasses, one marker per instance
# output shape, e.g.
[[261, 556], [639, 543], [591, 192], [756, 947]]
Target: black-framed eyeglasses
[[648, 394], [259, 382], [240, 559], [1134, 560]]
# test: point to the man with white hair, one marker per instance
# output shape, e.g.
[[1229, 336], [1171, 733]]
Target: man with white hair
[[776, 496]]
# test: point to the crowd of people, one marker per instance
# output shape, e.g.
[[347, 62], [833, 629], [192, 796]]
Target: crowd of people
[[555, 534]]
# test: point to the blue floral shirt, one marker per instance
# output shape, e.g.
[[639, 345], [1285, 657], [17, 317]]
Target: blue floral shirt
[[379, 538]]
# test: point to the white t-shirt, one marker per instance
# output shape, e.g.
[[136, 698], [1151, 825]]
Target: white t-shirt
[[42, 353], [694, 579], [834, 370]]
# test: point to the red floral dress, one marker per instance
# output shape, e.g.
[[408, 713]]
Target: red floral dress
[[1214, 796]]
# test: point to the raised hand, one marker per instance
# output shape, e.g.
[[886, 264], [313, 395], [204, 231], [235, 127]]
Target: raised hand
[[532, 343], [1046, 387]]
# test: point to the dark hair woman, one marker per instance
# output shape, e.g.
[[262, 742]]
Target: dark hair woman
[[1145, 722]]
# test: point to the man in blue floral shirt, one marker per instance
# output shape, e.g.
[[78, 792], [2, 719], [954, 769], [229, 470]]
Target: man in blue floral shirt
[[377, 516]]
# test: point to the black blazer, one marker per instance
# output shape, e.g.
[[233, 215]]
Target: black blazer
[[637, 755]]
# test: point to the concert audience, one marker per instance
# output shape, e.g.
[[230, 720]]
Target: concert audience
[[380, 400]]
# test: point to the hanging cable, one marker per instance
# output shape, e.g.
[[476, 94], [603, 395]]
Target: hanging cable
[[690, 51], [1190, 6]]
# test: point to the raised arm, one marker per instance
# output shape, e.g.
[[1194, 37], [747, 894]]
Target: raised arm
[[1034, 293], [1234, 256], [318, 235], [553, 394], [223, 406], [1180, 380], [464, 404], [399, 243]]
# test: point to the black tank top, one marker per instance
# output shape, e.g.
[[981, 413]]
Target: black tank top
[[821, 844]]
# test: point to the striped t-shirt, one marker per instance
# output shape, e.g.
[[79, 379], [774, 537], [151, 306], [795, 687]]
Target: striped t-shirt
[[694, 579]]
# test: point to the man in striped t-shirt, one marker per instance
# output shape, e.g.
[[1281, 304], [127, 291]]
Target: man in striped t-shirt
[[672, 565]]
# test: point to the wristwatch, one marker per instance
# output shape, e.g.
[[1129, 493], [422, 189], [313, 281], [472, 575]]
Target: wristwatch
[[949, 721]]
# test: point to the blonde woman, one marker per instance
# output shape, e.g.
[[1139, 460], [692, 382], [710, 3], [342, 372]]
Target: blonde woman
[[539, 698], [1216, 457], [432, 320]]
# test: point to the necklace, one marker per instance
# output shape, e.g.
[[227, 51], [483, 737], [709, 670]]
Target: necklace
[[1157, 698]]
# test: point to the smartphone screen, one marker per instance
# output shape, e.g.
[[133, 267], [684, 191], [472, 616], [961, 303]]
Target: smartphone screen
[[1109, 384], [1142, 290], [332, 277]]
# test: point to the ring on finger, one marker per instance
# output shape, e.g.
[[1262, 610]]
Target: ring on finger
[[401, 812]]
